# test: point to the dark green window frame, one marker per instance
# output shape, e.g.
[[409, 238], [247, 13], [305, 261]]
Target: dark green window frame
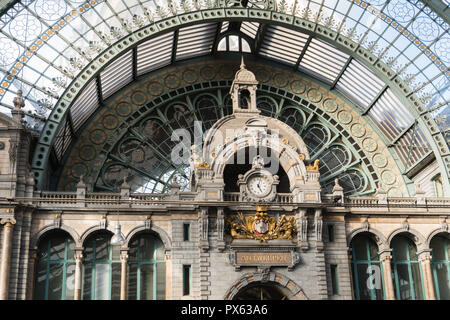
[[113, 259], [48, 262], [155, 263], [187, 279], [409, 263], [435, 264], [334, 279], [366, 262], [330, 232], [186, 231]]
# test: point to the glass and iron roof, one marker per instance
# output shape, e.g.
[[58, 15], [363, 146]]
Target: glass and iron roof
[[45, 44]]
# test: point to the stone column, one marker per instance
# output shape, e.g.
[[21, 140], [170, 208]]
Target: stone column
[[385, 258], [349, 263], [5, 263], [424, 258], [123, 276], [78, 273], [31, 274]]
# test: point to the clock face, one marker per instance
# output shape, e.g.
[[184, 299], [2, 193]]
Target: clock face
[[259, 186]]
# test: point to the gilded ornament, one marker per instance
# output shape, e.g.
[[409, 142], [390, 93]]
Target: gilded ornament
[[314, 167], [261, 227], [203, 165]]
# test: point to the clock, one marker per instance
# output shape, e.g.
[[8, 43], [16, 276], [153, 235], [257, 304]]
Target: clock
[[259, 185]]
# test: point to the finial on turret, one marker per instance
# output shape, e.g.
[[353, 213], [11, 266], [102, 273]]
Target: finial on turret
[[242, 62]]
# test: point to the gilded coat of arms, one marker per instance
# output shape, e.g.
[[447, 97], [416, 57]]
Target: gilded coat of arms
[[261, 226]]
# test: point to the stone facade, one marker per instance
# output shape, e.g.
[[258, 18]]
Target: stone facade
[[316, 245]]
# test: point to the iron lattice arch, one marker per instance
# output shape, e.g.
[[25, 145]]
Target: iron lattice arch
[[418, 126], [279, 88], [143, 154]]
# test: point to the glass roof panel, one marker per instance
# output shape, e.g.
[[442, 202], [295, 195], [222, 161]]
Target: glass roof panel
[[110, 80], [390, 115], [407, 35], [250, 28], [85, 105], [154, 53], [63, 139], [412, 147], [360, 84], [282, 44], [195, 40], [224, 26], [323, 59]]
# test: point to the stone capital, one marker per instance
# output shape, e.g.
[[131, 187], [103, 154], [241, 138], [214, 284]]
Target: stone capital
[[424, 255], [124, 255], [78, 255], [8, 221], [385, 255]]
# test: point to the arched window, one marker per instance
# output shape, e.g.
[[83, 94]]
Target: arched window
[[146, 268], [102, 269], [55, 272], [407, 271], [366, 269], [441, 266], [234, 43]]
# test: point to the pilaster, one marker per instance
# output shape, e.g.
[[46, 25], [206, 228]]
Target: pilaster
[[5, 263], [385, 259], [425, 261], [78, 272]]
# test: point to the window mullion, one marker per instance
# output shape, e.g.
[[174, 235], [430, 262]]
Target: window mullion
[[138, 295], [154, 269], [369, 258]]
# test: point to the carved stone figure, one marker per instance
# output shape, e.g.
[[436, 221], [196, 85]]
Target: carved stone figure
[[18, 101]]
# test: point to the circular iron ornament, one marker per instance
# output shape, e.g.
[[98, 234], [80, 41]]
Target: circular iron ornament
[[425, 28], [97, 136], [226, 72], [262, 75], [376, 2], [298, 86], [358, 130], [70, 185], [87, 153], [172, 81], [190, 76], [330, 105], [388, 177], [442, 49], [401, 10], [280, 80], [124, 109], [379, 160], [369, 144], [345, 117], [138, 97], [394, 192], [207, 73], [10, 52], [79, 169], [25, 27], [110, 121], [50, 9], [314, 95], [155, 88]]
